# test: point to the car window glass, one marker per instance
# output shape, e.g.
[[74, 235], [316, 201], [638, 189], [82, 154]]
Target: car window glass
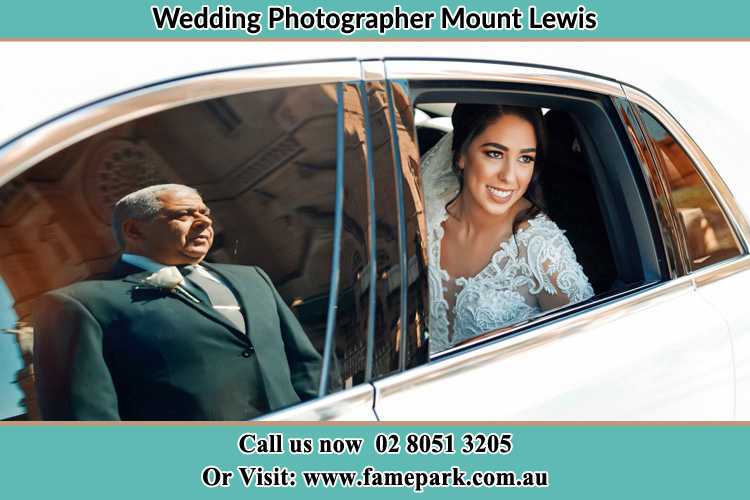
[[709, 237], [387, 354], [590, 238], [657, 190], [353, 300], [265, 164]]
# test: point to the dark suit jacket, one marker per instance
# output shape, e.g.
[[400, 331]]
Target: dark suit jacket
[[119, 349]]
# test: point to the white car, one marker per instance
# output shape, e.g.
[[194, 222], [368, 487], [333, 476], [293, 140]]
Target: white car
[[312, 170]]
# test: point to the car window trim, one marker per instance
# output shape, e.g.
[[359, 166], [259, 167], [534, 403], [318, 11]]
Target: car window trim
[[499, 71], [338, 223], [372, 229], [403, 258], [720, 270]]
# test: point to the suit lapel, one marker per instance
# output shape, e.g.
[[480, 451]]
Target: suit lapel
[[240, 293], [211, 313]]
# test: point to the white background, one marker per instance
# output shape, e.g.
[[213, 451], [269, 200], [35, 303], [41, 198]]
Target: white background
[[704, 84]]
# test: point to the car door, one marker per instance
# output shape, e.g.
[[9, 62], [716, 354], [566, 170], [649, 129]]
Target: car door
[[268, 148], [654, 349]]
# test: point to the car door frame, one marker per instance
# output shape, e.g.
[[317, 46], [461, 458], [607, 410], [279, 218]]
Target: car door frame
[[550, 327]]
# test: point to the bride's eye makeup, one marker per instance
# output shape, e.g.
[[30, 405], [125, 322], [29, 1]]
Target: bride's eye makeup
[[528, 159]]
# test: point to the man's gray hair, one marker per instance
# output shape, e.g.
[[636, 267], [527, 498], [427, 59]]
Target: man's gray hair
[[143, 204]]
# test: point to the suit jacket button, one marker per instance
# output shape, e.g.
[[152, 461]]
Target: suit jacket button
[[246, 354]]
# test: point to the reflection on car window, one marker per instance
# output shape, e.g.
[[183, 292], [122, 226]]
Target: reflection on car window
[[265, 165], [387, 305], [415, 230], [388, 329], [708, 234], [353, 300]]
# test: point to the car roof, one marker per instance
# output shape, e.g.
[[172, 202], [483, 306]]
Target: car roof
[[701, 83]]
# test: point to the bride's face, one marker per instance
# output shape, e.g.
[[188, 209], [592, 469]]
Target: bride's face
[[498, 164]]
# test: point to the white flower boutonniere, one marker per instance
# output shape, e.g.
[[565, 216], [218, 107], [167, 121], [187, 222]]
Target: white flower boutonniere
[[170, 279], [167, 277]]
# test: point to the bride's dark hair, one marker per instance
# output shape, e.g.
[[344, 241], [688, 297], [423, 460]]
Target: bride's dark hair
[[470, 120]]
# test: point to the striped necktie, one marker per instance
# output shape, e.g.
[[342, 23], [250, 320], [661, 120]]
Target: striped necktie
[[221, 297]]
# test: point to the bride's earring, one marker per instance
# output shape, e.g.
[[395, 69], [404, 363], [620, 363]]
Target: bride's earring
[[460, 174], [458, 169]]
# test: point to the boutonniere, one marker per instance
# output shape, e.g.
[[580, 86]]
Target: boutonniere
[[170, 280]]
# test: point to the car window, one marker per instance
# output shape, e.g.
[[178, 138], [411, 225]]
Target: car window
[[264, 163], [589, 193], [708, 235]]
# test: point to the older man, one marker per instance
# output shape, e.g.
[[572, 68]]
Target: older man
[[169, 337]]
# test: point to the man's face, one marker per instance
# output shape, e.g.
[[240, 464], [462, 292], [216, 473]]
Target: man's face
[[182, 233]]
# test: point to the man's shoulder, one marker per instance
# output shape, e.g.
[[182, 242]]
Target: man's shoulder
[[89, 290], [236, 269], [250, 275]]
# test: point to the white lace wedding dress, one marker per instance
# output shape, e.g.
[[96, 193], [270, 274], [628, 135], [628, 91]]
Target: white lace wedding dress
[[538, 261]]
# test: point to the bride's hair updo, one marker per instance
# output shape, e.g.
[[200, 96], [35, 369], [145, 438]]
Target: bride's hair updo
[[470, 120]]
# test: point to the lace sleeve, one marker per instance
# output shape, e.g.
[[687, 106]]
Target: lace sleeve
[[558, 278]]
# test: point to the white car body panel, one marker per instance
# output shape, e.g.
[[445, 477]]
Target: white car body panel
[[725, 296], [621, 363]]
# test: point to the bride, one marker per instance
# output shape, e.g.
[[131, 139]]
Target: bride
[[495, 257]]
